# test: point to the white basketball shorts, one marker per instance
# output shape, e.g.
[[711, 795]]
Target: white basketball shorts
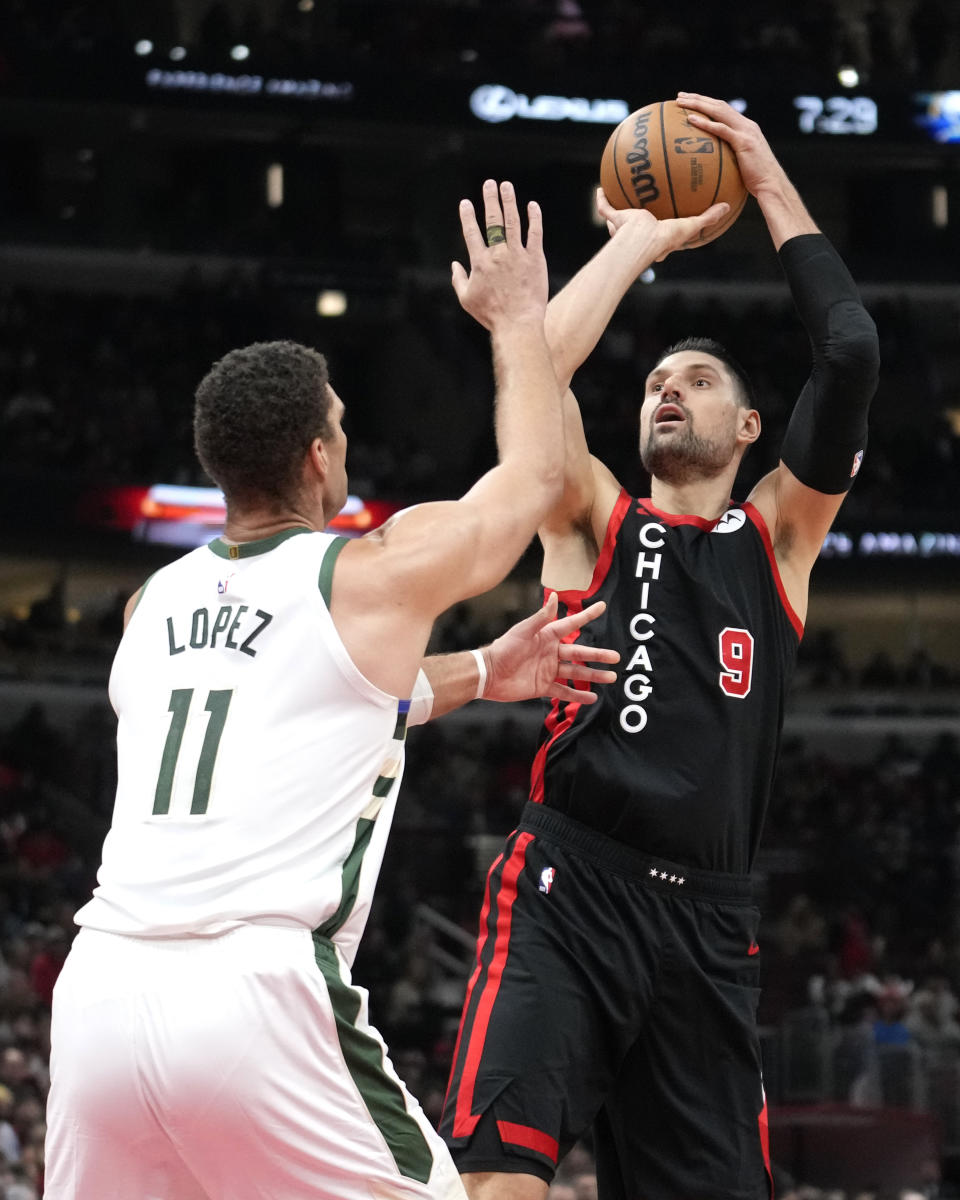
[[237, 1067]]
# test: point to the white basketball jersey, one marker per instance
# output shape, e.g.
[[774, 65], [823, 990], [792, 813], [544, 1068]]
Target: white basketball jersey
[[257, 768]]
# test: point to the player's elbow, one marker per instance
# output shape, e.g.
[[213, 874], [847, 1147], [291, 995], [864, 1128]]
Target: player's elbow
[[851, 352], [542, 487]]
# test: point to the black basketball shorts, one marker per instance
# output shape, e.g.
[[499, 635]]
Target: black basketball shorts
[[615, 991]]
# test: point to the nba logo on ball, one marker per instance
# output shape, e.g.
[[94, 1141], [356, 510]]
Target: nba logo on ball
[[547, 876], [692, 145]]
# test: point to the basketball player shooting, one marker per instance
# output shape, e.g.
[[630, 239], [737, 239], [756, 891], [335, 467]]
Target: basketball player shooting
[[207, 1038], [617, 968]]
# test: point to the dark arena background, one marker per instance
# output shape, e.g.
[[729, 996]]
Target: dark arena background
[[179, 178]]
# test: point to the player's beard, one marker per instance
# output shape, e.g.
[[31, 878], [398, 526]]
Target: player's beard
[[685, 456]]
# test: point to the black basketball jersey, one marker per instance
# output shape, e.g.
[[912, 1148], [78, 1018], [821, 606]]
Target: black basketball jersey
[[677, 757]]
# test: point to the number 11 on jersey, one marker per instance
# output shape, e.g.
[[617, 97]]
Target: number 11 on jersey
[[180, 699]]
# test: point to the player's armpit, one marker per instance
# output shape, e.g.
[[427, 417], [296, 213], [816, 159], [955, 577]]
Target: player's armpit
[[572, 537], [798, 518], [576, 500]]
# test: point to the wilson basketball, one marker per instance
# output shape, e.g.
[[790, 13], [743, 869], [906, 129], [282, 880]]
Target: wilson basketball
[[656, 159]]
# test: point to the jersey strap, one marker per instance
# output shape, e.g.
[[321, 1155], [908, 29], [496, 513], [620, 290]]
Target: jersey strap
[[760, 525], [325, 579]]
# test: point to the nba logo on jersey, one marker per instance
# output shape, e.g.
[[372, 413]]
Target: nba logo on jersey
[[223, 584], [547, 876], [857, 460]]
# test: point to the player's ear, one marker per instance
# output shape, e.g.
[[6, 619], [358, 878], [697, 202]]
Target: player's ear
[[316, 459], [749, 426]]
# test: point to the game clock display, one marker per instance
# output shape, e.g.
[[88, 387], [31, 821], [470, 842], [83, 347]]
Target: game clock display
[[936, 114]]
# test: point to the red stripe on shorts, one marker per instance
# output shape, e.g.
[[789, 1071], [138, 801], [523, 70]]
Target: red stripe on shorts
[[532, 1139], [464, 1120], [475, 974], [764, 1125]]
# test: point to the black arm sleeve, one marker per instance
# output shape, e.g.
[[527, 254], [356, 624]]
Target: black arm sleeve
[[827, 433]]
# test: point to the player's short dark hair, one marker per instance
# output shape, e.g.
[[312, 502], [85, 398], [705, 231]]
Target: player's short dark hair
[[746, 394], [257, 411]]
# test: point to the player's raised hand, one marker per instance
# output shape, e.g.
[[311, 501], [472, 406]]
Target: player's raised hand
[[507, 279], [758, 164], [673, 233], [536, 658]]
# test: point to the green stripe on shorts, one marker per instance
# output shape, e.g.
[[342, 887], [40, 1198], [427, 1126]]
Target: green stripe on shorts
[[363, 1055]]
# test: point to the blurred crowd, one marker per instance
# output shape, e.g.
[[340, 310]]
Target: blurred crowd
[[755, 41], [858, 874], [859, 870], [102, 390]]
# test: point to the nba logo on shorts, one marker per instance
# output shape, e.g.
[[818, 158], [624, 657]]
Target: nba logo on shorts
[[547, 876], [857, 460]]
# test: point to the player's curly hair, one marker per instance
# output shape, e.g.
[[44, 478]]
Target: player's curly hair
[[257, 411], [745, 390]]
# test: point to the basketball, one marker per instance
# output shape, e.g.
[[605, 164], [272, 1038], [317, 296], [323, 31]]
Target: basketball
[[656, 159]]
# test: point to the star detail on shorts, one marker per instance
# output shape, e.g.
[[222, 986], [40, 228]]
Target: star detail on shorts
[[663, 874], [666, 877], [654, 872]]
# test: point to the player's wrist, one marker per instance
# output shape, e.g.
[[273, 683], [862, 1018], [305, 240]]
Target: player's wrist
[[483, 673], [520, 320], [634, 241]]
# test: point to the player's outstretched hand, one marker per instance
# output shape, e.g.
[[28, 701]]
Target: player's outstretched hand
[[507, 280], [673, 233], [758, 164], [535, 658]]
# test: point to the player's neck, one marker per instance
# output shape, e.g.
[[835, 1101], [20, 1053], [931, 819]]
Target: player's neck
[[707, 498], [253, 525]]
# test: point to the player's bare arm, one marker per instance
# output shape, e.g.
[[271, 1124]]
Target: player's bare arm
[[392, 584], [824, 443], [576, 319]]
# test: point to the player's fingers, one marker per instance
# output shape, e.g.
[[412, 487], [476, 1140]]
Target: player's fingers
[[578, 620], [492, 214], [717, 128], [536, 621], [472, 236], [534, 227], [585, 673], [605, 208], [511, 214], [706, 104], [458, 277], [688, 230], [714, 213], [560, 691], [573, 652]]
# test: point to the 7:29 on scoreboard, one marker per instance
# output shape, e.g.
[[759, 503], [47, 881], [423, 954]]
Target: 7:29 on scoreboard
[[842, 115]]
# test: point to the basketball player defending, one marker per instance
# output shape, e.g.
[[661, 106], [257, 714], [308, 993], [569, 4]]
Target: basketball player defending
[[617, 965], [207, 1038]]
